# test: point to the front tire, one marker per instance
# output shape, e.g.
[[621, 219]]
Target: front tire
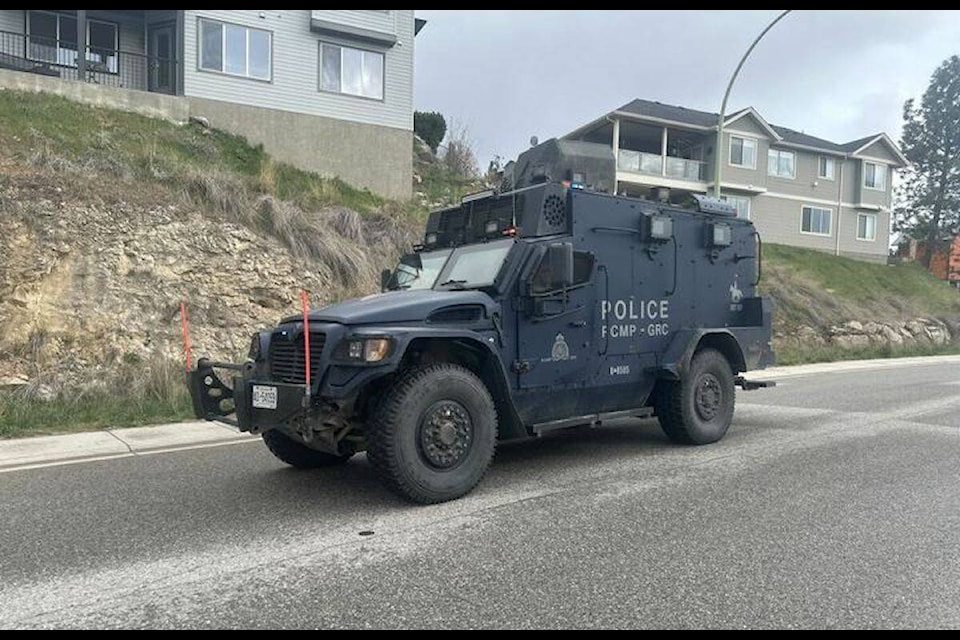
[[433, 435], [298, 455], [699, 408]]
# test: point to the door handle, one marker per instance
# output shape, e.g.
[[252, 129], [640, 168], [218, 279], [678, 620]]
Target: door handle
[[578, 323]]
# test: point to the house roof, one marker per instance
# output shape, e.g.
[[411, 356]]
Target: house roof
[[798, 137], [670, 112], [854, 145], [708, 120]]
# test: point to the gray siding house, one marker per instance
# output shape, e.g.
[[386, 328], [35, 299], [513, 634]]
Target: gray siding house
[[327, 90], [798, 189]]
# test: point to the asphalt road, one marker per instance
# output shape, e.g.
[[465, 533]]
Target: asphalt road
[[834, 501]]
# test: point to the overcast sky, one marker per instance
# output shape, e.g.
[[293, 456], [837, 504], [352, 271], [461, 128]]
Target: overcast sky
[[839, 75]]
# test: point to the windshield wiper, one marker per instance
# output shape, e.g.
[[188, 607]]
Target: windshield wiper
[[456, 284]]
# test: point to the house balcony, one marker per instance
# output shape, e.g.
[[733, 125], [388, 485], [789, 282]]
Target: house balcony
[[51, 42], [652, 156], [649, 164]]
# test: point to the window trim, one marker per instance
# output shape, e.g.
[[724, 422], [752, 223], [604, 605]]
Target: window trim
[[756, 151], [829, 233], [881, 188], [833, 173], [223, 50], [726, 197], [777, 175], [28, 35], [876, 220], [383, 72]]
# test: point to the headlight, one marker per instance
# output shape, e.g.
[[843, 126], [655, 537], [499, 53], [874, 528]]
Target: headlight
[[375, 349], [364, 349], [254, 352]]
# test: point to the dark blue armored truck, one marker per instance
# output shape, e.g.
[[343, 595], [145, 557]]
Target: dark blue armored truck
[[551, 305]]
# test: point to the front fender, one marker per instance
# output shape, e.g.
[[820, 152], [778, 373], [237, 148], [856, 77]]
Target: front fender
[[344, 379]]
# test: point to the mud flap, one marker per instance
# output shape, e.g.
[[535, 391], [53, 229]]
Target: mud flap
[[752, 385]]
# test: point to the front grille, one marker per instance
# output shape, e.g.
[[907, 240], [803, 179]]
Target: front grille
[[286, 357]]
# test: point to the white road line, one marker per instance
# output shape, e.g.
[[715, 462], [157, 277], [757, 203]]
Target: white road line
[[134, 454]]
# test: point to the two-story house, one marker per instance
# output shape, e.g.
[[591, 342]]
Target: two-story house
[[798, 189], [328, 90]]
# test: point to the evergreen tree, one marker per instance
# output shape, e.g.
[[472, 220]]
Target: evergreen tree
[[929, 195]]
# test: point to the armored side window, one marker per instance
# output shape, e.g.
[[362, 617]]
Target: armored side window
[[582, 272]]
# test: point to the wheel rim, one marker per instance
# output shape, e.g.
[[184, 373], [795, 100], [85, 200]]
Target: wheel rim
[[446, 434], [708, 397]]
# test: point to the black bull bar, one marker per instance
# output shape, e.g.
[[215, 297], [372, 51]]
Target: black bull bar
[[216, 401]]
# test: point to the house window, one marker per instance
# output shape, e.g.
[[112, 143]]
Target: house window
[[866, 226], [743, 152], [815, 220], [236, 50], [826, 168], [874, 175], [782, 164], [52, 38], [356, 72], [741, 204]]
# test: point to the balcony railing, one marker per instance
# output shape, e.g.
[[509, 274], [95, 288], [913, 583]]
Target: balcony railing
[[110, 67], [652, 164]]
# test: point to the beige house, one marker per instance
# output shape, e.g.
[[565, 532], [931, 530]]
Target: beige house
[[328, 90], [798, 189]]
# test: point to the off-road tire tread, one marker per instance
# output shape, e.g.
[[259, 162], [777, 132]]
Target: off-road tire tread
[[380, 445], [670, 399]]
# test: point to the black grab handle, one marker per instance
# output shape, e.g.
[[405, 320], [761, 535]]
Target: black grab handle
[[759, 257]]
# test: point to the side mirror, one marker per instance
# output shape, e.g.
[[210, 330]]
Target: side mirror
[[385, 277], [560, 259]]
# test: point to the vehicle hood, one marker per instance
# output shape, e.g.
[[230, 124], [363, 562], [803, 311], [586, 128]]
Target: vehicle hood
[[395, 307]]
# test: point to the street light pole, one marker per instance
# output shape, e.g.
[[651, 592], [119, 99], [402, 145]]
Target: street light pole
[[718, 147]]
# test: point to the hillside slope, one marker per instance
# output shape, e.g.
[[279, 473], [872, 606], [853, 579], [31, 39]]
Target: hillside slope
[[111, 219], [829, 307]]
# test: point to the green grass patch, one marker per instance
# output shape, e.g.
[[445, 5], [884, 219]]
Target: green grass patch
[[790, 355], [21, 415], [866, 283], [43, 128]]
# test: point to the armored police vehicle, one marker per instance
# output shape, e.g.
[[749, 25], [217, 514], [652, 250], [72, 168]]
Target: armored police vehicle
[[552, 305]]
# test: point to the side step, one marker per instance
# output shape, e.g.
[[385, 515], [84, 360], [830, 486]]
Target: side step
[[752, 385], [593, 420]]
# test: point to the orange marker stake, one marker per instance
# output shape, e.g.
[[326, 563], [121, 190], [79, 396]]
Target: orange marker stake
[[184, 329], [305, 303]]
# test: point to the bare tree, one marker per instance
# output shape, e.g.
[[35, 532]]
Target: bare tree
[[459, 155]]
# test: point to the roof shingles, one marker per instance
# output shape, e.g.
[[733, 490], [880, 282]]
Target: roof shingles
[[651, 109]]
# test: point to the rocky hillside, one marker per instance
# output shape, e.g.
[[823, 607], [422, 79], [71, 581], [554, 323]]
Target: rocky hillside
[[829, 307], [107, 228]]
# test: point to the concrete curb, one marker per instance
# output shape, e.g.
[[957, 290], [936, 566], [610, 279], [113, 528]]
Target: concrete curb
[[23, 453], [44, 451], [778, 373]]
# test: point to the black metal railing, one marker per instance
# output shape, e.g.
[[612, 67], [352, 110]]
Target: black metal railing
[[110, 67]]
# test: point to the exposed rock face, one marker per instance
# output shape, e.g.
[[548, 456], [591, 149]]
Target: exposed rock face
[[94, 279], [854, 334]]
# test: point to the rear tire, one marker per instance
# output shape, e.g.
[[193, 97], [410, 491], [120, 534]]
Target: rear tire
[[299, 455], [433, 435], [699, 408]]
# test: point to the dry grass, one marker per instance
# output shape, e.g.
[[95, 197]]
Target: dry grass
[[132, 394]]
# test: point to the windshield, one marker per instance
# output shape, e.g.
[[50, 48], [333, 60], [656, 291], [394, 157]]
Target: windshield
[[474, 265], [420, 271]]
